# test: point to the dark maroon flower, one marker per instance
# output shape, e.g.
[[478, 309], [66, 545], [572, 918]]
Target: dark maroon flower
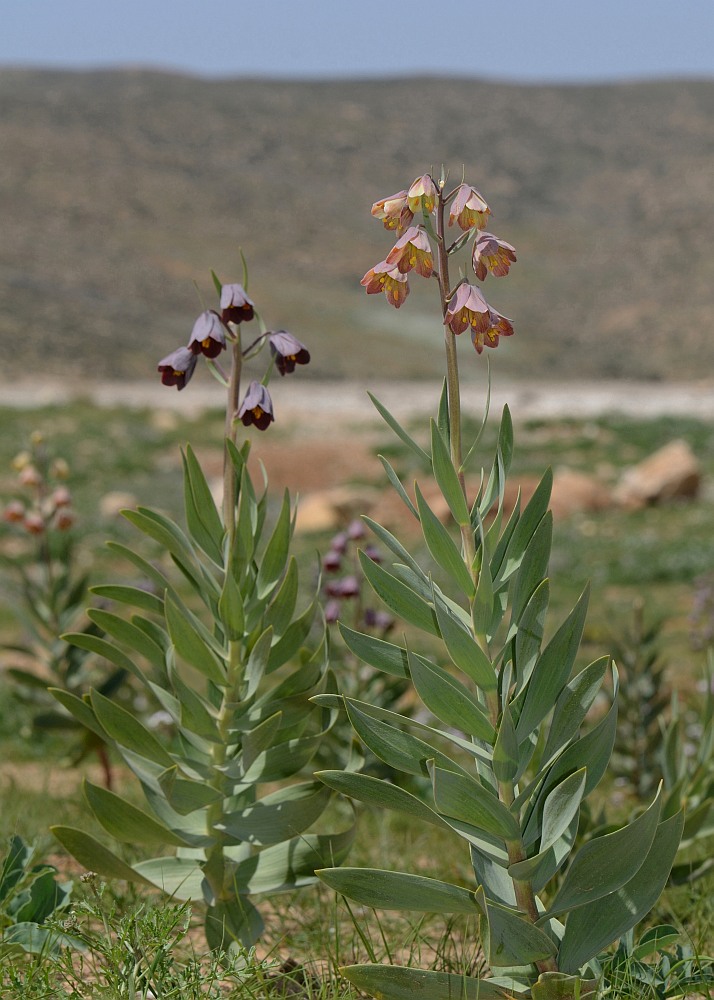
[[332, 562], [236, 307], [257, 407], [332, 611], [208, 335], [177, 368], [287, 351]]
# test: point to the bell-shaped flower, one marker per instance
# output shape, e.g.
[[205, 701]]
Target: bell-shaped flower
[[468, 209], [208, 335], [387, 278], [468, 309], [394, 211], [14, 512], [177, 368], [236, 307], [499, 326], [413, 250], [492, 254], [421, 196], [287, 351], [257, 407]]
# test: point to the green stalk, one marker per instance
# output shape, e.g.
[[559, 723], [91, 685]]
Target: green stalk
[[229, 481]]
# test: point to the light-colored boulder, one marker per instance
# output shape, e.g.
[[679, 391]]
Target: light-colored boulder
[[670, 473]]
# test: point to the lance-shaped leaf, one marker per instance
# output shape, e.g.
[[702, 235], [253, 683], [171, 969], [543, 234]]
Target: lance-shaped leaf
[[163, 530], [451, 702], [279, 612], [294, 636], [506, 758], [377, 652], [123, 727], [230, 608], [395, 546], [573, 705], [447, 478], [291, 864], [202, 518], [399, 597], [272, 563], [125, 822], [443, 549], [279, 816], [529, 634], [397, 484], [279, 761], [606, 863], [399, 430], [396, 982], [94, 856], [510, 939], [180, 878], [396, 748], [400, 890], [135, 597], [80, 710], [232, 921], [591, 928], [258, 739], [191, 646], [524, 529], [381, 794], [129, 634], [552, 669], [462, 797], [483, 605], [533, 568], [561, 807], [463, 649]]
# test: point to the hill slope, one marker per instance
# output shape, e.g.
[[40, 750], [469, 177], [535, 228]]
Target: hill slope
[[118, 189]]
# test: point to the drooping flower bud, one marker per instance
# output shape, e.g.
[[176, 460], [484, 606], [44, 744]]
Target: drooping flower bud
[[14, 512], [468, 309], [236, 307], [421, 195], [413, 250], [387, 278], [394, 211], [468, 209], [178, 367], [492, 254], [61, 497], [208, 335], [34, 523], [257, 407], [287, 351]]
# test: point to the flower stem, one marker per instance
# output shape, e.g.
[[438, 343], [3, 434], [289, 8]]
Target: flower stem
[[229, 478]]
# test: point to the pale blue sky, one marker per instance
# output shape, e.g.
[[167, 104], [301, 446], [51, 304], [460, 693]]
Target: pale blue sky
[[559, 40]]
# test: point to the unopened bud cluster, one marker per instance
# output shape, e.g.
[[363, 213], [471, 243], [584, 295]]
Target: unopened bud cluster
[[464, 306], [43, 503], [213, 331], [347, 586]]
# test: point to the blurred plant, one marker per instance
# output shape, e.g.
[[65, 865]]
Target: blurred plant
[[50, 596], [506, 762], [644, 697], [656, 965], [29, 895], [230, 666]]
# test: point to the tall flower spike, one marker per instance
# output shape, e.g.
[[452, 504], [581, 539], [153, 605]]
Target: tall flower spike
[[492, 254], [236, 307], [421, 196], [178, 367], [257, 407], [468, 209], [394, 211], [413, 250], [498, 327], [208, 335], [468, 309], [384, 277], [287, 351]]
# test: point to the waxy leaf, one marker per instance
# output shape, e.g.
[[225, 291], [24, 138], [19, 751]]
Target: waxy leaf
[[396, 982], [447, 478], [529, 634], [395, 546], [591, 928], [180, 878], [443, 549], [79, 709], [272, 563], [128, 732], [125, 822], [399, 430], [279, 612], [230, 608], [293, 638], [573, 705], [607, 863], [561, 807], [292, 863], [448, 699], [533, 568], [135, 597], [464, 650], [94, 856], [129, 634], [190, 646], [397, 484], [462, 797], [377, 652], [399, 597], [524, 529], [202, 517], [382, 794], [506, 757], [511, 939], [278, 816], [399, 890]]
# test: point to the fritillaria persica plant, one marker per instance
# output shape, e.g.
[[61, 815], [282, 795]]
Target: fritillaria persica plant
[[220, 641], [510, 754]]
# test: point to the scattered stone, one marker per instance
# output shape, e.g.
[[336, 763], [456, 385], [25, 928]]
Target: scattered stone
[[670, 473]]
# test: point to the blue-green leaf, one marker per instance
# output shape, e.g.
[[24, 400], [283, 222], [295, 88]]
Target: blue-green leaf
[[449, 700], [448, 479], [462, 797], [399, 890], [443, 549], [399, 597]]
